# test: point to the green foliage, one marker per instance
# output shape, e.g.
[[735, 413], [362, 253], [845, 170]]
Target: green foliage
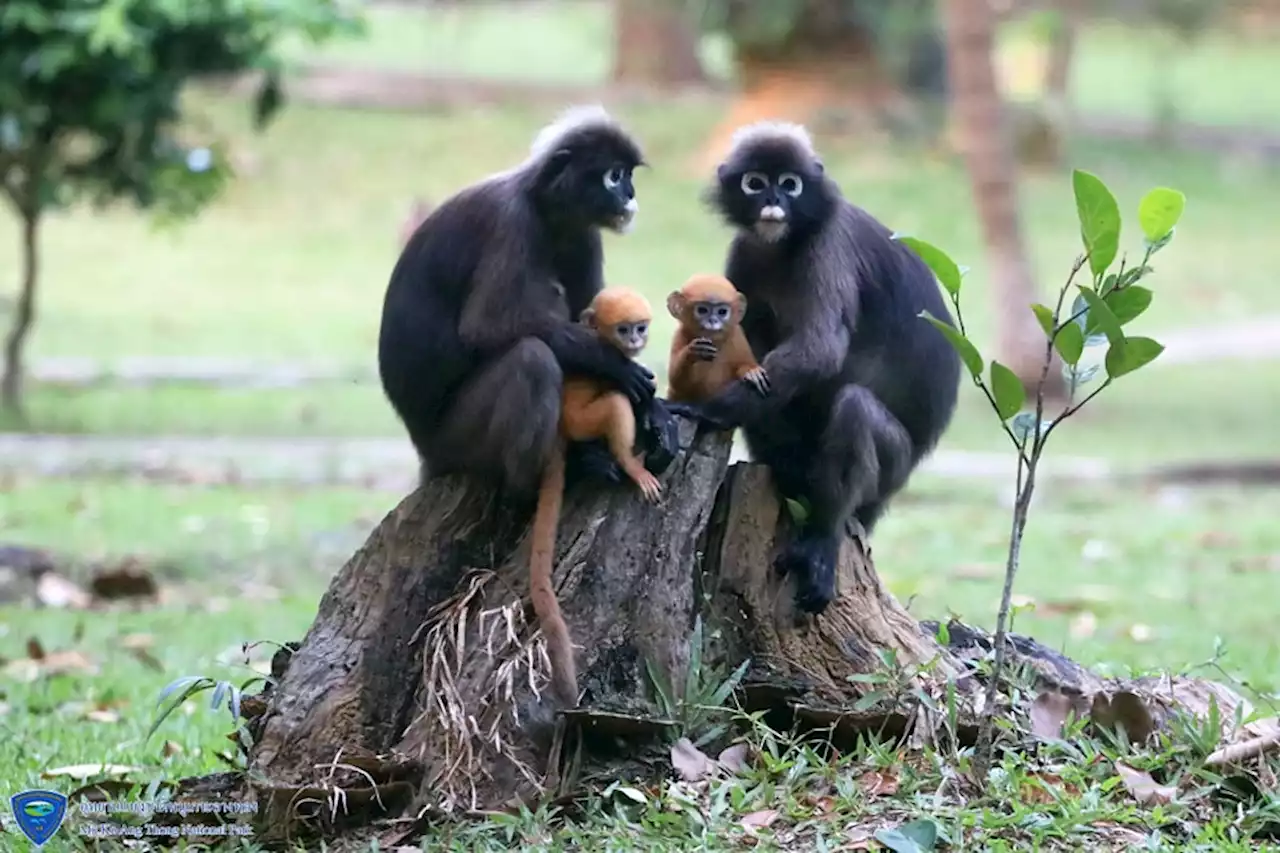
[[1007, 389], [1099, 220], [90, 93], [896, 28]]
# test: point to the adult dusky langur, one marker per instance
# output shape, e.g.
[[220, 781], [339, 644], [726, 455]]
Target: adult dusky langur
[[478, 324], [861, 388]]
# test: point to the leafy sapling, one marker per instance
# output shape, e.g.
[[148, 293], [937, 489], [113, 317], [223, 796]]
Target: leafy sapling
[[1098, 314]]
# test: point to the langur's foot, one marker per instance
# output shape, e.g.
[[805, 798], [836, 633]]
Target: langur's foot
[[812, 559]]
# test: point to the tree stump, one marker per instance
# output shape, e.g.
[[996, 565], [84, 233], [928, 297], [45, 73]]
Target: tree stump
[[420, 685]]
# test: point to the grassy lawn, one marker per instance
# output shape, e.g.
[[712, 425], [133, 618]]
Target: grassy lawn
[[1116, 578], [292, 262]]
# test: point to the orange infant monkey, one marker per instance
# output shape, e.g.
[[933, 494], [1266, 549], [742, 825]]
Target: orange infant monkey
[[589, 409], [709, 350]]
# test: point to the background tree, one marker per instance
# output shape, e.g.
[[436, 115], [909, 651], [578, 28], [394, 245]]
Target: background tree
[[808, 60], [984, 140], [656, 44], [90, 109]]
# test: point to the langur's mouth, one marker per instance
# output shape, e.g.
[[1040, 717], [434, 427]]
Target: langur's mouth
[[770, 231], [623, 222]]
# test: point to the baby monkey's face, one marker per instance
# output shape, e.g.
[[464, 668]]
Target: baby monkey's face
[[631, 335], [712, 316]]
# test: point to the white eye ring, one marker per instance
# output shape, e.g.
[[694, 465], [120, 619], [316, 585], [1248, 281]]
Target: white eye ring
[[612, 178], [754, 176], [791, 184]]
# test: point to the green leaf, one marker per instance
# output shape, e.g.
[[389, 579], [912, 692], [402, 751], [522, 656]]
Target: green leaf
[[914, 837], [968, 352], [1099, 219], [1129, 354], [937, 260], [798, 511], [1129, 303], [1044, 314], [1008, 391], [1100, 317], [1022, 426], [1069, 343], [1159, 211]]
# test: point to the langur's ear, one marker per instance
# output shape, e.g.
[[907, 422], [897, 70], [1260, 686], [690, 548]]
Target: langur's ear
[[741, 308], [676, 304], [722, 172], [817, 166], [588, 318]]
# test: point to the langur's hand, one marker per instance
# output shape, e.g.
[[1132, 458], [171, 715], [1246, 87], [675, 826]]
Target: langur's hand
[[635, 380], [759, 380], [703, 349]]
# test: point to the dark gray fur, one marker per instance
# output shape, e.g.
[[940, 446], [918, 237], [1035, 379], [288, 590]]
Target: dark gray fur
[[861, 387]]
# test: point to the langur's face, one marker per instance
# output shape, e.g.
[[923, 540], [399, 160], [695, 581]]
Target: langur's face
[[617, 204], [591, 184], [770, 193], [631, 336]]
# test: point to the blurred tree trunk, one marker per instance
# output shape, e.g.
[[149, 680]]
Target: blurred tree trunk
[[826, 70], [984, 141], [24, 314], [655, 44], [1062, 51]]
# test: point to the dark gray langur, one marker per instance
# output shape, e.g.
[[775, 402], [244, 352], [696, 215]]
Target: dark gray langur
[[861, 388], [478, 323]]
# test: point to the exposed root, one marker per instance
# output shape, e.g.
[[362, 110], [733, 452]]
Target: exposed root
[[464, 739]]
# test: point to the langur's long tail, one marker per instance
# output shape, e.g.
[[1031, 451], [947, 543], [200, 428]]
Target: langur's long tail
[[546, 520]]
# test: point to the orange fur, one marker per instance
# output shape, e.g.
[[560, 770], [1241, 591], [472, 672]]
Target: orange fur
[[589, 409], [690, 379]]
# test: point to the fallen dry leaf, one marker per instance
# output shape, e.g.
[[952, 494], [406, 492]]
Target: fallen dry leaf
[[127, 580], [102, 715], [1049, 712], [975, 572], [1044, 788], [1064, 607], [691, 763], [57, 663], [760, 819], [53, 590], [1123, 710], [1139, 632], [1143, 788], [734, 758], [170, 749], [1217, 539], [35, 650], [878, 783], [84, 771], [1084, 625]]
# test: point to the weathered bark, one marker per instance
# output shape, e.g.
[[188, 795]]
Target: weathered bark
[[419, 688], [423, 663], [24, 315], [984, 141], [655, 44]]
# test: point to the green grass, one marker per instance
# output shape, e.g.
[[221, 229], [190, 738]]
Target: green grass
[[246, 565], [292, 262]]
